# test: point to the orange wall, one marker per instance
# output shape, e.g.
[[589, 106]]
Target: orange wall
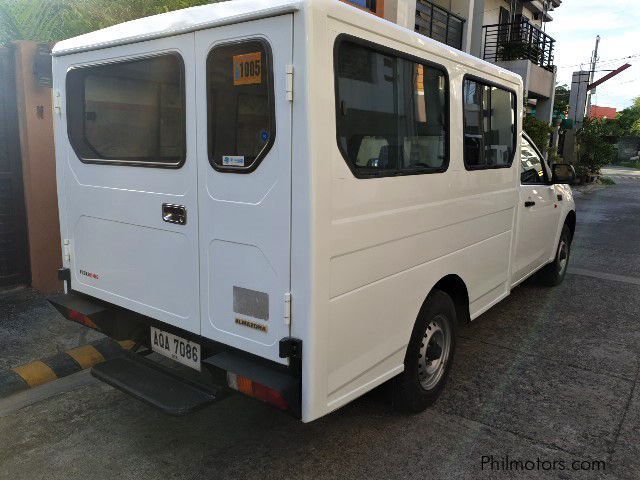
[[39, 172]]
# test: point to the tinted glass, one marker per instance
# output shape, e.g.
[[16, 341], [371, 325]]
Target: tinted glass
[[489, 126], [241, 108], [391, 112], [532, 170], [370, 4], [128, 112]]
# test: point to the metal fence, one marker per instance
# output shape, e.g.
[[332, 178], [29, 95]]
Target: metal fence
[[518, 41], [438, 23]]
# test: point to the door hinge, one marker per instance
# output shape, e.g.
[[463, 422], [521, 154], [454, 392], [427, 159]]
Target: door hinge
[[57, 108], [289, 84], [67, 250], [287, 308]]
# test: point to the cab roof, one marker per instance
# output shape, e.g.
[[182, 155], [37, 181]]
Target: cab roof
[[176, 23]]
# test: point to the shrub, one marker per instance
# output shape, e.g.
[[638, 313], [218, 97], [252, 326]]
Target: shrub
[[607, 181], [538, 130], [554, 157], [593, 149]]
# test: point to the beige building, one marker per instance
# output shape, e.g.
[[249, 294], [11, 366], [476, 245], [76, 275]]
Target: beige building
[[509, 33]]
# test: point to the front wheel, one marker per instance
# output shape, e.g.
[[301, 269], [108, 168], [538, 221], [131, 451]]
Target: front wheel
[[429, 355], [554, 273]]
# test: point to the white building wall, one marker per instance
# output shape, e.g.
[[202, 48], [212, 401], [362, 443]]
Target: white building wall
[[401, 12], [492, 11], [464, 9]]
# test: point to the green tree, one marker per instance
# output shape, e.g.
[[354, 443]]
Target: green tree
[[53, 20], [561, 102], [629, 119]]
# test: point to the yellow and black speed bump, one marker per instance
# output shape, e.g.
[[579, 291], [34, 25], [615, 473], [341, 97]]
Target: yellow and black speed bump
[[60, 365]]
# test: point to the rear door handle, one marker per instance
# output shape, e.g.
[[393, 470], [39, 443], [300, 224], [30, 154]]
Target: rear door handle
[[174, 214], [529, 203]]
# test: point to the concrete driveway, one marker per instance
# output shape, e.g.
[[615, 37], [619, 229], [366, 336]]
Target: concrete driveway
[[547, 378]]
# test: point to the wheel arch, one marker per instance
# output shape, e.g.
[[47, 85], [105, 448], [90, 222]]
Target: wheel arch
[[456, 288], [570, 222]]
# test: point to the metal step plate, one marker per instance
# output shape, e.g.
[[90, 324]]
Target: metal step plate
[[154, 385]]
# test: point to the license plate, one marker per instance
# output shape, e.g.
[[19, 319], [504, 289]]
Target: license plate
[[176, 348]]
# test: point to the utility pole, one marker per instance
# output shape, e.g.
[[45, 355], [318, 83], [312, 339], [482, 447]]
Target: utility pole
[[581, 88], [592, 71]]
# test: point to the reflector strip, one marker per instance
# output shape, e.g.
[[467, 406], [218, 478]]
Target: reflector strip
[[87, 356], [83, 319], [36, 373]]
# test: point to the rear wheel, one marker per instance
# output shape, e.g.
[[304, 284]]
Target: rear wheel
[[554, 273], [429, 355]]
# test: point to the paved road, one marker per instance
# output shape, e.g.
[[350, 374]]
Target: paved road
[[549, 375], [623, 174]]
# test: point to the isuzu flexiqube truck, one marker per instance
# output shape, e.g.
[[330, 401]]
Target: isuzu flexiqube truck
[[296, 197]]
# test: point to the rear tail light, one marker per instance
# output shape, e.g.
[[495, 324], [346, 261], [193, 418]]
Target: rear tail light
[[81, 318], [257, 390]]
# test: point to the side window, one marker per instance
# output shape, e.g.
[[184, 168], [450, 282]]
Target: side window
[[489, 126], [391, 112], [242, 124], [532, 172], [130, 112]]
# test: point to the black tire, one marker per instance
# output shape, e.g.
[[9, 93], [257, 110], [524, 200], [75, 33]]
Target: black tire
[[412, 392], [553, 274]]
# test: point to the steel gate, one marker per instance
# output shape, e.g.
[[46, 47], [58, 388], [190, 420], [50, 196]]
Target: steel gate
[[13, 239]]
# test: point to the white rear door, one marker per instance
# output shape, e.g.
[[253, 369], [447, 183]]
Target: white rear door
[[127, 169], [244, 162]]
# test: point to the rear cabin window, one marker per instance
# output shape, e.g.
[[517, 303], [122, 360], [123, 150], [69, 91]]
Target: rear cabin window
[[129, 112], [392, 112], [489, 126], [242, 125]]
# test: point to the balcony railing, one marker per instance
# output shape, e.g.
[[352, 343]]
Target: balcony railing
[[518, 41], [438, 23]]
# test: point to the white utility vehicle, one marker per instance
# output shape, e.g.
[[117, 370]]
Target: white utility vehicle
[[296, 193]]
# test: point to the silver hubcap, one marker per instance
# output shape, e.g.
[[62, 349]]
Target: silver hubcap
[[563, 256], [434, 352]]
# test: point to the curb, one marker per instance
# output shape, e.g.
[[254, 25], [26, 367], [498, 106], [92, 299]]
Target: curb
[[60, 365]]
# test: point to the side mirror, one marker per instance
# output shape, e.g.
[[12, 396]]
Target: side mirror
[[563, 173]]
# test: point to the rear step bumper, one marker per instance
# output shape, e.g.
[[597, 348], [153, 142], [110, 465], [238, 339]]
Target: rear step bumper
[[155, 385], [219, 360]]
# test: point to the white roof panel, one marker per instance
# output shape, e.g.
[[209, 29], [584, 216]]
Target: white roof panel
[[177, 22]]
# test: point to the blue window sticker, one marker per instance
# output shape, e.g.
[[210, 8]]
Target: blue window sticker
[[233, 161], [264, 135]]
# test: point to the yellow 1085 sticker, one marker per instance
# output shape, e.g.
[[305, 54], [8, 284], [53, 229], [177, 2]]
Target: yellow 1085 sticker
[[247, 69]]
